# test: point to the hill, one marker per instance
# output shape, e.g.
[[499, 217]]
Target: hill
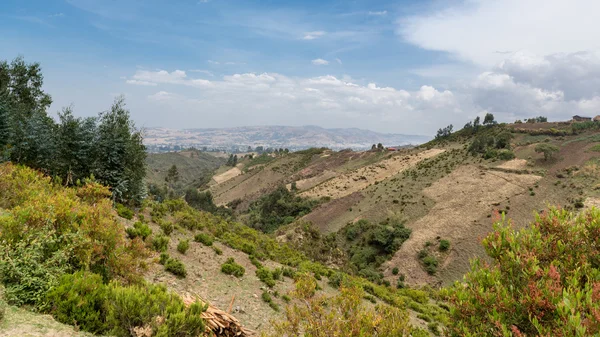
[[195, 168], [292, 137], [449, 190]]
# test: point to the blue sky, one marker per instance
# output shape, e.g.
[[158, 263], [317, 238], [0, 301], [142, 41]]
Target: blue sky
[[391, 66]]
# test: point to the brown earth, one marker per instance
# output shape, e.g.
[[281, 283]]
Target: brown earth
[[361, 178], [462, 198], [322, 217], [229, 174]]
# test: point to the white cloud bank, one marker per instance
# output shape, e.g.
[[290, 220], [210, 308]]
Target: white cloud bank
[[320, 62], [482, 31]]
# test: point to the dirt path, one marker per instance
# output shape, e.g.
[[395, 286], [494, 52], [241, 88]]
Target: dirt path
[[359, 179], [229, 174], [462, 198]]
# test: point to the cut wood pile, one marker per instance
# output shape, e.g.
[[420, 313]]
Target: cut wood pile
[[220, 323], [223, 324]]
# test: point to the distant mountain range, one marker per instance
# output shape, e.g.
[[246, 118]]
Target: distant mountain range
[[292, 137]]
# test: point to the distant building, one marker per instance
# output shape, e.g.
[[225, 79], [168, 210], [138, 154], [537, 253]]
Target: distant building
[[392, 149], [578, 118], [597, 118]]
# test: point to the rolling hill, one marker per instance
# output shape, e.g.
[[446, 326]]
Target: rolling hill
[[292, 137]]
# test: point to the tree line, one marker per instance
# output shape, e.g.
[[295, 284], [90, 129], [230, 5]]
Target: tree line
[[107, 148]]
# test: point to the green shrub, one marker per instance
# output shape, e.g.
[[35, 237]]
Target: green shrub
[[124, 212], [30, 267], [289, 272], [164, 257], [395, 271], [78, 299], [141, 305], [175, 267], [139, 229], [166, 227], [286, 298], [540, 280], [444, 245], [204, 238], [267, 298], [217, 250], [160, 243], [183, 246], [232, 268], [506, 155], [265, 276], [277, 273], [255, 261], [431, 264]]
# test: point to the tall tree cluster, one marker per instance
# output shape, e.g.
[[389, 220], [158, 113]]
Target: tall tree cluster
[[107, 147]]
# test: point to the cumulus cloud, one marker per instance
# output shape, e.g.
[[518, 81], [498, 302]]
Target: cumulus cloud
[[268, 98], [313, 35], [320, 62], [483, 31], [138, 82]]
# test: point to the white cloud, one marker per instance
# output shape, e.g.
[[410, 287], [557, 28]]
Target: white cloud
[[138, 82], [379, 13], [338, 61], [313, 35], [202, 71], [483, 31], [320, 62], [271, 98]]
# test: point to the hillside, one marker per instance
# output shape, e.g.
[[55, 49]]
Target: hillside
[[292, 137], [195, 168], [442, 191]]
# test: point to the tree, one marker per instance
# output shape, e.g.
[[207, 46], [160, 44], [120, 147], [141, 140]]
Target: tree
[[476, 123], [120, 154], [235, 160], [445, 132], [489, 119], [21, 84], [379, 146], [373, 147], [547, 149], [542, 280], [172, 175], [75, 139]]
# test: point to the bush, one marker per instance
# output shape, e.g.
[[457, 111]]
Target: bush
[[78, 299], [506, 155], [232, 268], [124, 212], [153, 307], [164, 257], [431, 264], [547, 149], [160, 243], [542, 280], [175, 267], [183, 246], [217, 250], [444, 245], [314, 315], [265, 276], [267, 298], [139, 230], [204, 238], [395, 271], [166, 227]]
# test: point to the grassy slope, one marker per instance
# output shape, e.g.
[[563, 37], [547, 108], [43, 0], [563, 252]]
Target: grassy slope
[[20, 322], [413, 193], [193, 171]]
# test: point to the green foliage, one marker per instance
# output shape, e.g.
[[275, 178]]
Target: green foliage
[[547, 149], [183, 246], [543, 280], [78, 299], [232, 268], [164, 257], [395, 271], [160, 243], [315, 315], [167, 227], [278, 208], [266, 276], [175, 267], [444, 245], [372, 244], [268, 299], [154, 307], [47, 230], [431, 264], [203, 201], [204, 238], [139, 230]]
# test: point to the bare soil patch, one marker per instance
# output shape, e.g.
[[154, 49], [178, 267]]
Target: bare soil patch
[[462, 199], [361, 178], [323, 216], [515, 164], [229, 174]]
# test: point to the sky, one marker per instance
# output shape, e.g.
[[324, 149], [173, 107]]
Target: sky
[[405, 66]]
